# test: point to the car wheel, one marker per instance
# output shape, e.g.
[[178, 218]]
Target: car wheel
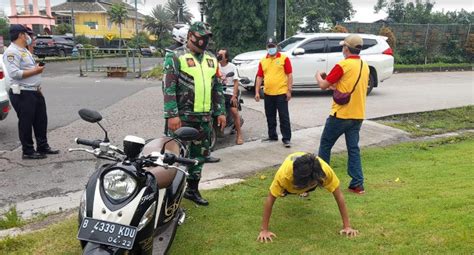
[[372, 82], [62, 53]]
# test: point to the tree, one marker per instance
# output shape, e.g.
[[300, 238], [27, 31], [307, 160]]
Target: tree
[[160, 23], [4, 28], [173, 7], [62, 29], [139, 41], [118, 15]]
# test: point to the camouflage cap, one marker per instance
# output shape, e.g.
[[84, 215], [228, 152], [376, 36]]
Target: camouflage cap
[[200, 27]]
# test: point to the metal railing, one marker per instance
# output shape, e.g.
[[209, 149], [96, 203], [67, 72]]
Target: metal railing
[[89, 61]]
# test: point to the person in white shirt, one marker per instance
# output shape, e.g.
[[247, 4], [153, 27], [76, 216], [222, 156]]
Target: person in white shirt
[[231, 90]]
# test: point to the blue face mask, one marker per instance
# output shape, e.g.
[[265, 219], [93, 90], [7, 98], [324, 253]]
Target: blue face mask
[[272, 51], [28, 40]]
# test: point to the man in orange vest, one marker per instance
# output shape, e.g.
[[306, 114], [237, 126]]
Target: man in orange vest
[[276, 72], [350, 75]]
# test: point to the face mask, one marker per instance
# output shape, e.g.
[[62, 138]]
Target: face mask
[[219, 58], [272, 51], [28, 40], [200, 42]]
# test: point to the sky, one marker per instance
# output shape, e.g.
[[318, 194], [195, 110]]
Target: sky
[[364, 8]]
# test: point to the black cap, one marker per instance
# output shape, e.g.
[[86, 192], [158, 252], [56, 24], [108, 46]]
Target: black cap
[[15, 29], [272, 41]]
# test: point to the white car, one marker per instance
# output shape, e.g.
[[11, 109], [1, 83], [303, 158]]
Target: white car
[[4, 101], [313, 52]]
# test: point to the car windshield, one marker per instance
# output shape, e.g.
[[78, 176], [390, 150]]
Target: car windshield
[[289, 43]]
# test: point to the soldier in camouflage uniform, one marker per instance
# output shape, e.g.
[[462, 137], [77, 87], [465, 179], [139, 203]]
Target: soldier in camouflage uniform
[[192, 95]]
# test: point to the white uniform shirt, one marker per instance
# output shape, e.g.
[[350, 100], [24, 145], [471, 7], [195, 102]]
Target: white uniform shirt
[[16, 60]]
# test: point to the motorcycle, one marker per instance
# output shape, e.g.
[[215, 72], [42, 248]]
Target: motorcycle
[[216, 131], [131, 205]]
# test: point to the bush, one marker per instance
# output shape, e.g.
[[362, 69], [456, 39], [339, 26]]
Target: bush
[[410, 55], [82, 39], [62, 29], [387, 32]]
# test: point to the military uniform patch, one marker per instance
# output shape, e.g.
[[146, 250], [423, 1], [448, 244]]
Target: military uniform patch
[[210, 63], [190, 62], [10, 58]]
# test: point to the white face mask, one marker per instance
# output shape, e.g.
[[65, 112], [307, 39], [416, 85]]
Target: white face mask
[[29, 41]]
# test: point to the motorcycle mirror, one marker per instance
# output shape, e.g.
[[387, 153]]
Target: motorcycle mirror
[[187, 134], [90, 115], [231, 74], [93, 117]]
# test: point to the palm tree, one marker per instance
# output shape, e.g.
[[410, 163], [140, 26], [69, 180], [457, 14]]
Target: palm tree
[[173, 7], [160, 21], [118, 15]]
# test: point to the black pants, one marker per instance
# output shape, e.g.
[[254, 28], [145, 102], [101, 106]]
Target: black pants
[[30, 108], [272, 105]]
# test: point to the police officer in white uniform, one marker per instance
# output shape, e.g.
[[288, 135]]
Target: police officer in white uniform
[[25, 93]]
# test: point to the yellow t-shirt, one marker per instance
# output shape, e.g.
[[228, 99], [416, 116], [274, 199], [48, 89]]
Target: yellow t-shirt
[[355, 109], [274, 71], [283, 180]]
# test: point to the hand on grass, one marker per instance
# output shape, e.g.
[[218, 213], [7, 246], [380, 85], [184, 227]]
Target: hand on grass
[[348, 231], [265, 236]]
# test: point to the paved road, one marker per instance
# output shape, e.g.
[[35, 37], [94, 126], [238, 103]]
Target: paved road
[[140, 114]]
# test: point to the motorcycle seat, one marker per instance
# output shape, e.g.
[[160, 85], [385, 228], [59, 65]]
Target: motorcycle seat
[[164, 177]]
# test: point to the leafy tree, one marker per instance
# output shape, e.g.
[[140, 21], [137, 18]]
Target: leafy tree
[[62, 29], [118, 15], [160, 24], [173, 7], [140, 40], [239, 25], [82, 39], [4, 28], [394, 8]]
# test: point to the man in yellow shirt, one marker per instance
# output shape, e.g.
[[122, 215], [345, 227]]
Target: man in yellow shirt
[[302, 172], [350, 74], [275, 71]]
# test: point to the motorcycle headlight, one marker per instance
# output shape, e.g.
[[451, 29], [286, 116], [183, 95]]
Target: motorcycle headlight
[[118, 184], [147, 216], [82, 205]]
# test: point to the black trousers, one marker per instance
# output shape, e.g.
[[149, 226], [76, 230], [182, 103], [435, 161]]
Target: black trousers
[[272, 105], [30, 108]]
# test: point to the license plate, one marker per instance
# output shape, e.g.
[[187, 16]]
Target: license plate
[[109, 233]]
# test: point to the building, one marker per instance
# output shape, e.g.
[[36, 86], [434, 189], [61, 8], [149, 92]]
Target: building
[[35, 14], [91, 19]]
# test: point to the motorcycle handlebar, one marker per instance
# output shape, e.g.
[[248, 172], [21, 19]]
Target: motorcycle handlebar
[[94, 144], [171, 159]]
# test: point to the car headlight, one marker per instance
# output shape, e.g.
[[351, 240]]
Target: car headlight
[[82, 205], [119, 185], [147, 216]]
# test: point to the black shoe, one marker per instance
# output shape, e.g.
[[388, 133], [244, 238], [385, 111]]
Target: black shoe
[[269, 140], [211, 159], [287, 144], [195, 196], [48, 151], [34, 155]]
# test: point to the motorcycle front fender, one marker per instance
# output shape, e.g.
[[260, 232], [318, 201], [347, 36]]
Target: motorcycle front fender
[[98, 249]]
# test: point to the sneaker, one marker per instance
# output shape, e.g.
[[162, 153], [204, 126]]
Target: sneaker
[[287, 144], [269, 140], [357, 190]]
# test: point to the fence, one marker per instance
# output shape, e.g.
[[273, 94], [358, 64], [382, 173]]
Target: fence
[[124, 61], [433, 39]]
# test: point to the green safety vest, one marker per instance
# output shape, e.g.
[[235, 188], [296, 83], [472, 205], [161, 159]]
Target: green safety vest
[[202, 74]]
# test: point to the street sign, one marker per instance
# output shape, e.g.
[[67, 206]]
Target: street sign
[[109, 36]]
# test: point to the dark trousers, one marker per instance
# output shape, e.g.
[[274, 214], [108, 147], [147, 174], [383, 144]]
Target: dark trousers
[[333, 129], [272, 105], [30, 108]]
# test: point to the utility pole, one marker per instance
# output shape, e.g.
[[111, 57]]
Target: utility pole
[[73, 23], [271, 24], [136, 20]]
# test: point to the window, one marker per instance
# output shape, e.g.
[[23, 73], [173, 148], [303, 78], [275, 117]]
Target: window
[[333, 45], [91, 24], [316, 46], [289, 43], [369, 43]]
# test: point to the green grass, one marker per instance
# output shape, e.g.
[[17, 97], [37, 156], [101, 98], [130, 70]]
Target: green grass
[[419, 200], [434, 122], [433, 65], [11, 219], [156, 72]]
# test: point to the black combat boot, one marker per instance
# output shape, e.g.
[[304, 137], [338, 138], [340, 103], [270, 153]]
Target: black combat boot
[[192, 193]]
